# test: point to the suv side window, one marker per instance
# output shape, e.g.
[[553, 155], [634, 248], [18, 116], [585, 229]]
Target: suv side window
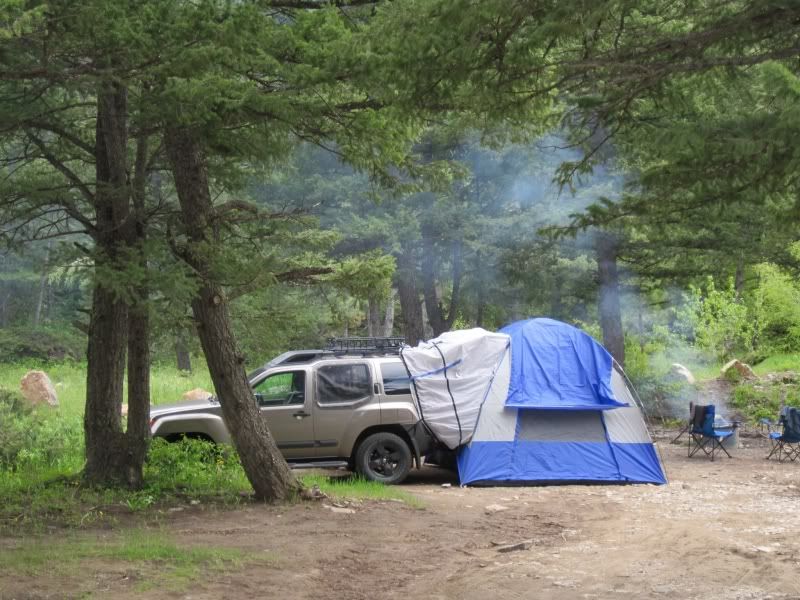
[[281, 389], [395, 379], [343, 383]]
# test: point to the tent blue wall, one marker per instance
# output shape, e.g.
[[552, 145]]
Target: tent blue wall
[[568, 415]]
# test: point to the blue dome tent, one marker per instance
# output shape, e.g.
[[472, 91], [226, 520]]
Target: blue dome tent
[[539, 401]]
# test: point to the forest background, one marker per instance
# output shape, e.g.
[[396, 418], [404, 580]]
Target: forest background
[[233, 180]]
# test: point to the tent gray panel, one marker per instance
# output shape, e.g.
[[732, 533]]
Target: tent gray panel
[[561, 426], [497, 423], [625, 425]]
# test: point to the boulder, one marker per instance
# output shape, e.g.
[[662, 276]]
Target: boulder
[[37, 388], [197, 394], [678, 371], [743, 369]]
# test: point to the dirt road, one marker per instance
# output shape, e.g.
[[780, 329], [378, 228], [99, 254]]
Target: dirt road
[[723, 530]]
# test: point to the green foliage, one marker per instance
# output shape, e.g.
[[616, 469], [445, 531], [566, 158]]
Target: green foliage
[[33, 438], [366, 276], [776, 309], [777, 363], [763, 400], [51, 343], [193, 467], [717, 321], [647, 366]]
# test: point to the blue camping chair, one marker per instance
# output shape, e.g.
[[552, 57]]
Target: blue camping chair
[[786, 443], [702, 433]]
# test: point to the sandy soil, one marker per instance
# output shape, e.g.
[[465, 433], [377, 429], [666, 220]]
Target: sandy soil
[[723, 530]]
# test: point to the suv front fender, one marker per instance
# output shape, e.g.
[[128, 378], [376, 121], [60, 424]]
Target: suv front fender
[[209, 424]]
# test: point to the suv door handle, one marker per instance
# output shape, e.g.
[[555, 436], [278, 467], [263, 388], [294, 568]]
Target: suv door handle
[[376, 388], [301, 415]]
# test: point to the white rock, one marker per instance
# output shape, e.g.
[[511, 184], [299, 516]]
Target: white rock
[[37, 388]]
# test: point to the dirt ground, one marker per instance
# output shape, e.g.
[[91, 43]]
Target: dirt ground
[[723, 530]]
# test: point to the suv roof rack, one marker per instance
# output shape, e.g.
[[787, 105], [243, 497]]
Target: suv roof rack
[[366, 345], [337, 346]]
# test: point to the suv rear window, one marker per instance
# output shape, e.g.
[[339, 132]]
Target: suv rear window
[[343, 383], [395, 379]]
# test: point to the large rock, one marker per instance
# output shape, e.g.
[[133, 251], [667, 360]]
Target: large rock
[[38, 389], [743, 369], [197, 394], [678, 371]]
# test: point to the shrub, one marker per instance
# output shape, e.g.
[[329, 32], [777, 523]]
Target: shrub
[[42, 344], [35, 437], [776, 308], [193, 465], [716, 321], [758, 401]]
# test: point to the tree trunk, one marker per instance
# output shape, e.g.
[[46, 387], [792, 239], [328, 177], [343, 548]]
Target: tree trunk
[[374, 321], [607, 248], [105, 370], [137, 434], [182, 354], [739, 277], [37, 315], [433, 307], [388, 315], [108, 460], [410, 308], [556, 302], [458, 272], [263, 464], [481, 294]]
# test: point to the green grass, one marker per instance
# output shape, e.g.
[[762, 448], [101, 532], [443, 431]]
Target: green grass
[[167, 384], [166, 563], [191, 470], [359, 488], [35, 489], [777, 363]]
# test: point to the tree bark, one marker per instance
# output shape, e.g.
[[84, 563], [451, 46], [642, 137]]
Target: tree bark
[[388, 315], [433, 307], [481, 292], [458, 273], [410, 308], [607, 249], [137, 433], [182, 354], [37, 316], [433, 304], [108, 459], [263, 464], [739, 276], [105, 370], [374, 317]]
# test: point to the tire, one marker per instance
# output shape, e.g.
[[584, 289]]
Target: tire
[[383, 457]]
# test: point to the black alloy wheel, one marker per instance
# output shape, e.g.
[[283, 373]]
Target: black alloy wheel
[[384, 457]]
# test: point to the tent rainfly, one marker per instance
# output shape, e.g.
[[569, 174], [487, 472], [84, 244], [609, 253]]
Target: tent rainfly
[[539, 401]]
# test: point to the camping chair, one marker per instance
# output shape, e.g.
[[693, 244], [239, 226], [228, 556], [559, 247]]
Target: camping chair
[[702, 434], [786, 443]]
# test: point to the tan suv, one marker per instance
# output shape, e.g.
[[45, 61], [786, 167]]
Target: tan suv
[[325, 408]]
